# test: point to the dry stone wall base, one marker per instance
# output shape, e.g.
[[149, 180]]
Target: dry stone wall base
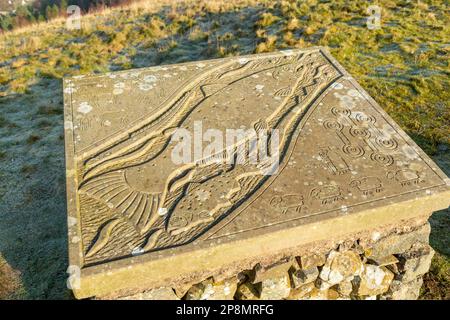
[[389, 268]]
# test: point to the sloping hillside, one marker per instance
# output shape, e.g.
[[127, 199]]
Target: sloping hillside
[[404, 65]]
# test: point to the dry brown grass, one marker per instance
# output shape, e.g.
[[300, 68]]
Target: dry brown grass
[[135, 8], [9, 280]]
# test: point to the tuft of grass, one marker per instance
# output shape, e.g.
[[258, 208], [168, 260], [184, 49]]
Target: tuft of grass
[[50, 110], [28, 169], [18, 63], [33, 138], [268, 45], [293, 24], [267, 19], [436, 283]]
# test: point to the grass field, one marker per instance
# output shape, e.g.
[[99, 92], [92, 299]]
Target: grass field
[[404, 65]]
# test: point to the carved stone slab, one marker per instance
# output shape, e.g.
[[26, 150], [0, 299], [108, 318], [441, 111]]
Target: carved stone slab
[[139, 219]]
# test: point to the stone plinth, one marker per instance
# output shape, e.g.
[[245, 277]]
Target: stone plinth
[[162, 204]]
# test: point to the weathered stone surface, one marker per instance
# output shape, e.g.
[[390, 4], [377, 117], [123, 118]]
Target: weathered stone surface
[[182, 289], [308, 261], [344, 288], [247, 291], [415, 262], [317, 294], [322, 284], [276, 270], [209, 290], [404, 290], [154, 294], [300, 292], [332, 294], [396, 244], [304, 276], [374, 280], [275, 289], [341, 266], [142, 214], [385, 261]]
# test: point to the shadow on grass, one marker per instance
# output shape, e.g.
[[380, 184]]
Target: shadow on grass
[[32, 191], [440, 220], [229, 33], [437, 281]]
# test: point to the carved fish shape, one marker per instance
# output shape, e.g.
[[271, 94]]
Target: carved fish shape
[[173, 204]]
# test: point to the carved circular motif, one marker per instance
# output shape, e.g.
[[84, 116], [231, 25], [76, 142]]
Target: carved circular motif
[[361, 117], [383, 159], [359, 132], [353, 150], [341, 112], [387, 143], [332, 125]]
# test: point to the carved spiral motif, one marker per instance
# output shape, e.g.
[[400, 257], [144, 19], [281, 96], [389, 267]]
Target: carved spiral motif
[[383, 159], [361, 118], [388, 143], [359, 132], [341, 112], [332, 125], [353, 150], [180, 221]]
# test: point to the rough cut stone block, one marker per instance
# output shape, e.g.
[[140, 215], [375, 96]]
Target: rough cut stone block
[[374, 280], [385, 261], [399, 243], [304, 276], [153, 294], [345, 288], [341, 266], [302, 291], [247, 291], [275, 289], [415, 263], [158, 198], [272, 271], [317, 294], [405, 291], [209, 290], [311, 260]]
